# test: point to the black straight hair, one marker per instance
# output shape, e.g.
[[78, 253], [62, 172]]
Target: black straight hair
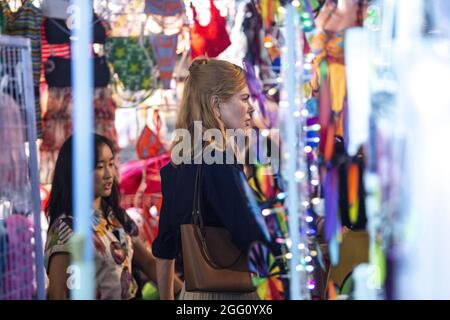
[[61, 196]]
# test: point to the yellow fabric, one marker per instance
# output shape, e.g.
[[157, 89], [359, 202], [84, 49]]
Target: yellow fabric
[[329, 47]]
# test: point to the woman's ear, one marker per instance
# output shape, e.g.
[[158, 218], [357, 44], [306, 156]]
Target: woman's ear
[[215, 103]]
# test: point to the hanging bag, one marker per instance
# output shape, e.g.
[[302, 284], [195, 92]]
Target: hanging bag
[[212, 263]]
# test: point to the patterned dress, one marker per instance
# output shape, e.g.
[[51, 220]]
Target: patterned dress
[[113, 252]]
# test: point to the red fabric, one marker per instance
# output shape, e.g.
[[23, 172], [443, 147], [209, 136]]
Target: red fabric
[[212, 39], [136, 191], [149, 144]]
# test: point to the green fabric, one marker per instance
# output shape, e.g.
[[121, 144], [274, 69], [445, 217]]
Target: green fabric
[[2, 19], [130, 61]]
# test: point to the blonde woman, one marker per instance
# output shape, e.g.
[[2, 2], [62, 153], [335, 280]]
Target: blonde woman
[[215, 97]]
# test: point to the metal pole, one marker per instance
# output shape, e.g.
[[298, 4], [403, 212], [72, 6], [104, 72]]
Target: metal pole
[[34, 169], [81, 15], [292, 153]]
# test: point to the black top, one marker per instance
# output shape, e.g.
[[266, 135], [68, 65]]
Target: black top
[[224, 205]]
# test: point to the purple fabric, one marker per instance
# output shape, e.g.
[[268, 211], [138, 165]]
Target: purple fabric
[[256, 90], [165, 50], [165, 8], [331, 203], [311, 121], [18, 278], [13, 161]]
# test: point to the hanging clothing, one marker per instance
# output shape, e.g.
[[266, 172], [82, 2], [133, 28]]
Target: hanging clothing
[[26, 22], [329, 47], [57, 124], [2, 21], [256, 54], [164, 8], [58, 72], [113, 252], [135, 192], [57, 31], [132, 61], [13, 161], [18, 277], [165, 50], [55, 50], [210, 40]]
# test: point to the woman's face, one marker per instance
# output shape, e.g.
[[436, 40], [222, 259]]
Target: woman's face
[[104, 172], [236, 113]]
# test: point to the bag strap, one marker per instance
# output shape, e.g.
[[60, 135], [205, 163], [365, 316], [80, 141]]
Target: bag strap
[[197, 220]]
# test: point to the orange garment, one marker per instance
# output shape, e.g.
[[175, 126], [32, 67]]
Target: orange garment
[[329, 47], [210, 40]]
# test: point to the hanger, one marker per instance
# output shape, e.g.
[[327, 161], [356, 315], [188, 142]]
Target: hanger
[[4, 82], [5, 208]]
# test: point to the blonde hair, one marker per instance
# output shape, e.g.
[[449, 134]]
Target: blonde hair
[[208, 78]]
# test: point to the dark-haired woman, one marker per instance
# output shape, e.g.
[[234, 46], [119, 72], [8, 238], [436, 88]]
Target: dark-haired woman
[[115, 234]]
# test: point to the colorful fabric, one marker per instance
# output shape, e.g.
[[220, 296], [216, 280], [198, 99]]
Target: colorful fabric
[[57, 124], [210, 40], [26, 22], [164, 8], [56, 50], [13, 160], [2, 19], [136, 192], [165, 48], [113, 252], [329, 47], [18, 277], [132, 61]]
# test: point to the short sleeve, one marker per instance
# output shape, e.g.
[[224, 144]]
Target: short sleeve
[[226, 198], [130, 227], [58, 238], [167, 242]]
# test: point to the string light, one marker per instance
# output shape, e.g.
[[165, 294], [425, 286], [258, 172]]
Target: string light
[[265, 133], [288, 243], [315, 201], [299, 175], [307, 149], [272, 91], [295, 3], [309, 219], [268, 44], [308, 259], [296, 114], [153, 211]]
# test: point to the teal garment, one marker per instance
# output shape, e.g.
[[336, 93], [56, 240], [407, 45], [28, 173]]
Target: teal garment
[[26, 22], [130, 61], [2, 21]]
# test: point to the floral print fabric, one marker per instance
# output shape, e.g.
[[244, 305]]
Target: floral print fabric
[[113, 252]]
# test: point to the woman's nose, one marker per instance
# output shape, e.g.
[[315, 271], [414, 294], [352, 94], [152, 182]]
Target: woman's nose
[[251, 109], [108, 173]]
